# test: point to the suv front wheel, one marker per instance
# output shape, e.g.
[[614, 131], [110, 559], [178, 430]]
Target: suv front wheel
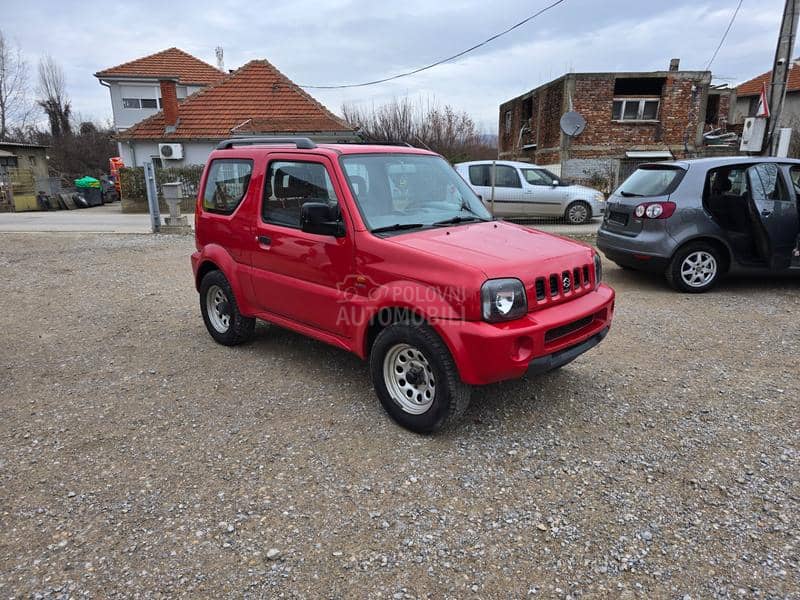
[[221, 313], [415, 377]]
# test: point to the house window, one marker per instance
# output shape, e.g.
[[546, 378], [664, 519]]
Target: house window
[[507, 118], [149, 103], [131, 103], [635, 109]]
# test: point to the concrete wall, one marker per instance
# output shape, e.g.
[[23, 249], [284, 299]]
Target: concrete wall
[[790, 115]]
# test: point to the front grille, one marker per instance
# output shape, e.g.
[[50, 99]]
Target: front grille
[[552, 287], [559, 332], [540, 293]]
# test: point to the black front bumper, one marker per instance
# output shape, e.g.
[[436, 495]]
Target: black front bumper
[[543, 364]]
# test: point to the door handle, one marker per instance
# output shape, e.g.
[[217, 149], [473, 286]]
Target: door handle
[[766, 213], [264, 240]]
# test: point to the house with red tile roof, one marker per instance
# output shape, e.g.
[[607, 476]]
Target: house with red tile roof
[[256, 99], [747, 96], [134, 85]]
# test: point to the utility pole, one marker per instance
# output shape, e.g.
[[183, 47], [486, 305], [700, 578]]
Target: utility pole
[[780, 72]]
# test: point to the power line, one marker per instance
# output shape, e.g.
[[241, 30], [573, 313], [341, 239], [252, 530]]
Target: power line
[[724, 35], [438, 62]]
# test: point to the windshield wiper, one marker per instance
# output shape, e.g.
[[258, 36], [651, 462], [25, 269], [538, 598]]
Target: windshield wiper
[[398, 227], [455, 220], [630, 194]]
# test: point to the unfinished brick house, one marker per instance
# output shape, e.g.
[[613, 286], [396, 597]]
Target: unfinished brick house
[[630, 118]]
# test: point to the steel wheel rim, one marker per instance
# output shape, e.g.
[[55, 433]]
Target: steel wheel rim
[[698, 268], [409, 379], [218, 309], [578, 214]]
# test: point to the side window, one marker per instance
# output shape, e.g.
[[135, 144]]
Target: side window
[[726, 182], [794, 173], [766, 182], [226, 184], [506, 176], [480, 175], [289, 185], [537, 177]]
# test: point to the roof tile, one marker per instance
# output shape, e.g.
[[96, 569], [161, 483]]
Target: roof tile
[[172, 62], [257, 98]]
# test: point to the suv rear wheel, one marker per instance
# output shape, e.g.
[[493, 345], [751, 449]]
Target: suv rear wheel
[[415, 377], [695, 268], [221, 313]]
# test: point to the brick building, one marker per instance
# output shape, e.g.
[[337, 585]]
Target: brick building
[[630, 118]]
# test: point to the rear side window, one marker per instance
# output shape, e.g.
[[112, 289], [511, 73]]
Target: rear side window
[[226, 184], [659, 181], [292, 184], [505, 176], [480, 175]]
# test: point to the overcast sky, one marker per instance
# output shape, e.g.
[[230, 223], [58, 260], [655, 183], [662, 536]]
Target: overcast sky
[[349, 41]]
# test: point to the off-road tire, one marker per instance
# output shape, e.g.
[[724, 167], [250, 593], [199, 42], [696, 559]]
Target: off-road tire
[[673, 272], [241, 328], [451, 396]]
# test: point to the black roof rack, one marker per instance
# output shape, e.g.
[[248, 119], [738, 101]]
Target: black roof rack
[[301, 143]]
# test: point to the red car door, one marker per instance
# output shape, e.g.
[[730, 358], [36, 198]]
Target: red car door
[[299, 275]]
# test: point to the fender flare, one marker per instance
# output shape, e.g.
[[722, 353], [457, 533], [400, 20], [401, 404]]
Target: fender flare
[[219, 257]]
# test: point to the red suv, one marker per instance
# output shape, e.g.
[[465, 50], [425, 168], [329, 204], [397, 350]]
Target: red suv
[[386, 252]]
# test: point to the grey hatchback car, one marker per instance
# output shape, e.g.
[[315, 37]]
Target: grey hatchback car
[[696, 220]]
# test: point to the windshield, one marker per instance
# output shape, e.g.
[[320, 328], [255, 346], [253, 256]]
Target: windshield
[[410, 190], [649, 181], [539, 176]]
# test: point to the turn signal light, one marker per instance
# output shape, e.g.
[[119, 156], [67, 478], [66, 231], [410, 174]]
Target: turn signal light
[[655, 210]]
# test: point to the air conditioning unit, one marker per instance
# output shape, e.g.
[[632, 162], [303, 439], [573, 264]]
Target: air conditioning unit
[[170, 151], [753, 134]]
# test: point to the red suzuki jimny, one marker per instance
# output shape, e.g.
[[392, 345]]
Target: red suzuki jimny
[[386, 252]]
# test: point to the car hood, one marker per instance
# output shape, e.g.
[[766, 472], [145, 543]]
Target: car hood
[[500, 249], [583, 189]]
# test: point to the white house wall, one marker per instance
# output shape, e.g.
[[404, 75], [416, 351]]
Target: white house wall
[[127, 117], [194, 153]]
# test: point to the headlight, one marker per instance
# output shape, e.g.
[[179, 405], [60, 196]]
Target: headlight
[[503, 300], [599, 197], [598, 270]]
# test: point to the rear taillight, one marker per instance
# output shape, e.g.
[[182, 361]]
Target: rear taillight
[[655, 210]]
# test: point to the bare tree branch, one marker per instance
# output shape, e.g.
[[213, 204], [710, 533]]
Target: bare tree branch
[[442, 129], [15, 105], [53, 96]]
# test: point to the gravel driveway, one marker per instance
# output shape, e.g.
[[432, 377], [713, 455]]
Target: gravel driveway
[[140, 459]]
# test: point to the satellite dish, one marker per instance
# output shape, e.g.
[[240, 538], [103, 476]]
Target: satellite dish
[[572, 123]]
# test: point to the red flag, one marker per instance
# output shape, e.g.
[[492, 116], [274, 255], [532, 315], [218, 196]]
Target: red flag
[[763, 106]]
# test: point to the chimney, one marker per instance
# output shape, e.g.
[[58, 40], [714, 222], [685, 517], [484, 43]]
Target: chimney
[[675, 64], [169, 102]]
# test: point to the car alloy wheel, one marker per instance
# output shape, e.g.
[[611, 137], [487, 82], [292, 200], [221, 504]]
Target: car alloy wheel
[[218, 308], [578, 214], [698, 269], [409, 378]]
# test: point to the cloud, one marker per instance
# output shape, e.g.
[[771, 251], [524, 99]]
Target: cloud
[[348, 41]]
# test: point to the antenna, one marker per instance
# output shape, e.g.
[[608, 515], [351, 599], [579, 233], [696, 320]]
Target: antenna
[[220, 60], [572, 123]]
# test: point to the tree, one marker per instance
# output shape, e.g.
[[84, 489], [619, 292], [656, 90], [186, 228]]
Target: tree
[[15, 106], [53, 96], [445, 130]]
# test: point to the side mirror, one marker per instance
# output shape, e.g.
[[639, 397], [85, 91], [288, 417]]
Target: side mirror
[[556, 183], [320, 218]]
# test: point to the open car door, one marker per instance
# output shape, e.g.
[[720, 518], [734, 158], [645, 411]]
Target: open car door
[[773, 210]]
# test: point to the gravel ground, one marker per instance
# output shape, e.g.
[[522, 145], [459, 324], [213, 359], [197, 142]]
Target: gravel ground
[[140, 459]]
